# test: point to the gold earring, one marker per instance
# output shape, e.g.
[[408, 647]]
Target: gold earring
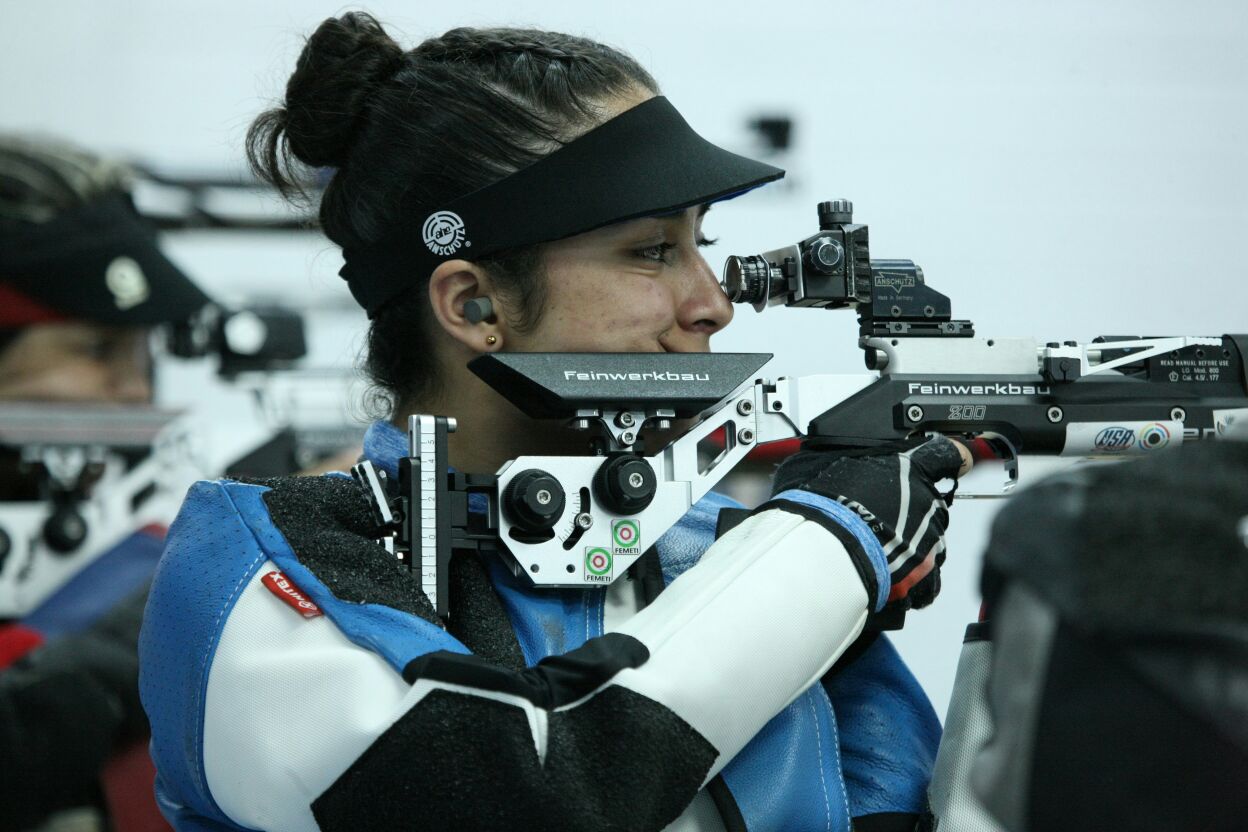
[[491, 339]]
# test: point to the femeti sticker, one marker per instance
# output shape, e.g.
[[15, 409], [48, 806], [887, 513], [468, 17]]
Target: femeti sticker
[[598, 565], [626, 537]]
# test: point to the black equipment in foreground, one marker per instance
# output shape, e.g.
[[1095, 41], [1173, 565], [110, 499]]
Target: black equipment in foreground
[[578, 521]]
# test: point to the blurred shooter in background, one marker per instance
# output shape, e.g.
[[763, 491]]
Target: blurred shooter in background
[[82, 284]]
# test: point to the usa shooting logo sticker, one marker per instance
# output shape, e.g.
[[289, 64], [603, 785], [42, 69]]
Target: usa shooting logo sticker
[[444, 233], [1115, 439], [598, 563]]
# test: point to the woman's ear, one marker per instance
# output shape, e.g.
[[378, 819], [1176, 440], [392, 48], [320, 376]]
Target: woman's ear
[[451, 287]]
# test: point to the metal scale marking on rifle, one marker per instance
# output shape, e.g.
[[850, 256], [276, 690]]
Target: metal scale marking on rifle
[[582, 521]]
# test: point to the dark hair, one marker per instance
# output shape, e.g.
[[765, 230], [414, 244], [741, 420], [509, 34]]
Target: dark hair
[[381, 117], [42, 177]]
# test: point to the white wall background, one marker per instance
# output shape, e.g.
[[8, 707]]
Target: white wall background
[[1061, 170]]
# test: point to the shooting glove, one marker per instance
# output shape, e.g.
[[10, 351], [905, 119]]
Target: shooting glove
[[889, 491]]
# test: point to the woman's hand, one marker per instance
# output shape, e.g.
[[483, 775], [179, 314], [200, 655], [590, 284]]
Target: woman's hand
[[892, 490]]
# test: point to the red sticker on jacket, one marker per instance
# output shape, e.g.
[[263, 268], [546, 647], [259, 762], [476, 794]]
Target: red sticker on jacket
[[290, 595]]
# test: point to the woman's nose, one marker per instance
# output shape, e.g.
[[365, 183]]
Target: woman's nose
[[705, 308]]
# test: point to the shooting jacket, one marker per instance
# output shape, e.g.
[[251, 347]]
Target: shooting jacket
[[295, 679]]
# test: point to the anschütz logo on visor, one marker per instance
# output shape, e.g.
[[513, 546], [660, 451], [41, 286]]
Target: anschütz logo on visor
[[127, 283], [444, 233]]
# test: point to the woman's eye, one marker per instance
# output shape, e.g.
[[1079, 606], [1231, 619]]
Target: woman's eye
[[707, 241], [658, 253]]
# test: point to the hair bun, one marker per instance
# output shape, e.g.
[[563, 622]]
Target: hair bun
[[341, 65]]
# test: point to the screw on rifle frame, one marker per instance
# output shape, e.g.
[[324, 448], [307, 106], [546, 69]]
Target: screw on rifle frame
[[1055, 414], [914, 413], [745, 436], [636, 480], [628, 437], [745, 407], [584, 520], [1178, 414], [624, 419], [543, 497]]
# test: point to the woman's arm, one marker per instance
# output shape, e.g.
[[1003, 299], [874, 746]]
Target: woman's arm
[[314, 722]]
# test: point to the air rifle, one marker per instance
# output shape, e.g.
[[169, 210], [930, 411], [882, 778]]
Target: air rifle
[[582, 521]]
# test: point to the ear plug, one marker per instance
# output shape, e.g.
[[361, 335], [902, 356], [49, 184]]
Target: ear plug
[[478, 309]]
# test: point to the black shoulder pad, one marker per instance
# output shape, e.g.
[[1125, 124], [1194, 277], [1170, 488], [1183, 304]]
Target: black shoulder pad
[[328, 525]]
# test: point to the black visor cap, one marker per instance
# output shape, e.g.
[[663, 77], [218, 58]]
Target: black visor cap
[[645, 162], [98, 262]]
